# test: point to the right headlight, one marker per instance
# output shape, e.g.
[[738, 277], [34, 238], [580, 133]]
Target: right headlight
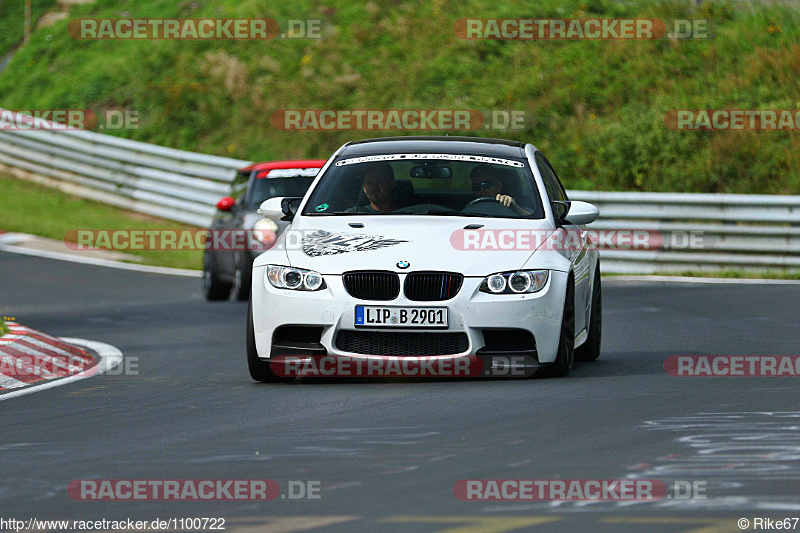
[[519, 282], [296, 279]]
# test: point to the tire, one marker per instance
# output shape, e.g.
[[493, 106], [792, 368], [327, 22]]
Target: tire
[[566, 343], [259, 370], [214, 289], [244, 277], [590, 350]]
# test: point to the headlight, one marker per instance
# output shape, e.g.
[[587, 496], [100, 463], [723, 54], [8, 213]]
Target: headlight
[[265, 230], [297, 279], [520, 282], [496, 283]]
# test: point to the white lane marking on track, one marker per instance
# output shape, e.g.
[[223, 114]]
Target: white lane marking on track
[[101, 262], [110, 357]]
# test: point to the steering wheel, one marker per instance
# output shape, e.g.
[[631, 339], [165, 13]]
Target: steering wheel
[[482, 199]]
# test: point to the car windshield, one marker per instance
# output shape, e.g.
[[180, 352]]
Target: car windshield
[[427, 184], [265, 188]]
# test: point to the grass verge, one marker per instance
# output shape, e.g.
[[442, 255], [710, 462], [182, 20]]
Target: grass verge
[[12, 20], [596, 107], [3, 328], [31, 208]]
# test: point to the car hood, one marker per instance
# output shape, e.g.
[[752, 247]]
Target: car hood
[[332, 245]]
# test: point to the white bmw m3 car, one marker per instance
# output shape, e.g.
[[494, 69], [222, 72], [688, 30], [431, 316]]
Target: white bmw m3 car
[[429, 247]]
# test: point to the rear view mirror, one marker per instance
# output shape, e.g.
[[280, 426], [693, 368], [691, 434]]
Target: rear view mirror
[[431, 172]]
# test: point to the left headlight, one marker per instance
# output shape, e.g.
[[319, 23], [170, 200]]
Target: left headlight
[[296, 279], [519, 282]]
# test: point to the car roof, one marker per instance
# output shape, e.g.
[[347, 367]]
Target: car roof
[[435, 144], [297, 163]]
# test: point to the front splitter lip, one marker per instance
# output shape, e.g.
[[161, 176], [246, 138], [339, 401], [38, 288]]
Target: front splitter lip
[[387, 366]]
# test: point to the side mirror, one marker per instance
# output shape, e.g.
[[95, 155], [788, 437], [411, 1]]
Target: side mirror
[[280, 207], [226, 204], [271, 208], [560, 209], [580, 214], [289, 206]]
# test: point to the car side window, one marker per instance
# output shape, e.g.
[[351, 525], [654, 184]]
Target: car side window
[[559, 186], [554, 188], [239, 186]]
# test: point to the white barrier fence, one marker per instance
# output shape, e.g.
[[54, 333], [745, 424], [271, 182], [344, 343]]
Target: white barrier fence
[[702, 231]]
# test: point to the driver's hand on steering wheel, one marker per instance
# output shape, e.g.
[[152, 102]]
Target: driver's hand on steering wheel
[[508, 201]]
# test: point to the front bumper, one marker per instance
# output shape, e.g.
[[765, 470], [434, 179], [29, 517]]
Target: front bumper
[[470, 313]]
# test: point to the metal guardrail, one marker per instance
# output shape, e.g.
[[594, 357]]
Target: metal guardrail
[[164, 182], [743, 232], [701, 232]]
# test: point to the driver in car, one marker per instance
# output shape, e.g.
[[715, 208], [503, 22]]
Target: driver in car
[[378, 185], [486, 183]]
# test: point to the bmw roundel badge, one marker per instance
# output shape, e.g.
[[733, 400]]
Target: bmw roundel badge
[[403, 264]]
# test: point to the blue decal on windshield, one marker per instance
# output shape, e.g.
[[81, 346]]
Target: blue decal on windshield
[[322, 207]]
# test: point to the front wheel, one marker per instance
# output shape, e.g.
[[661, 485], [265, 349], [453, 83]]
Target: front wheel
[[214, 288], [590, 350], [243, 280], [566, 343]]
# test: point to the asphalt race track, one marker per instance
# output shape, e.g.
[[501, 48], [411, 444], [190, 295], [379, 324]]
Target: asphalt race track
[[388, 453]]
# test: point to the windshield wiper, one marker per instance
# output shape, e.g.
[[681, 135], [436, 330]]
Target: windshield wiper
[[448, 214], [436, 212]]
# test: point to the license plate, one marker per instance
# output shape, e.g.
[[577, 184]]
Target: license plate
[[401, 317]]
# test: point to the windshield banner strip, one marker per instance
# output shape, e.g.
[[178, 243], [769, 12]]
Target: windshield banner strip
[[412, 157]]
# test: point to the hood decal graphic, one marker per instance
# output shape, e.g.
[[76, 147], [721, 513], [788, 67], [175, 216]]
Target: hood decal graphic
[[323, 242]]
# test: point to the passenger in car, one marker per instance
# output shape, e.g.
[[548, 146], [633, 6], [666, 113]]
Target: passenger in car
[[487, 183], [378, 185]]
